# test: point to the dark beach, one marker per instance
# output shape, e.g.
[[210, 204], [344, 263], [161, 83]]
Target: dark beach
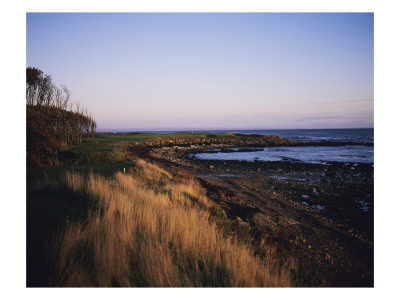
[[323, 214]]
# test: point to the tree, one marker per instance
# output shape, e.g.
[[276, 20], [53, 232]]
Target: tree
[[51, 121]]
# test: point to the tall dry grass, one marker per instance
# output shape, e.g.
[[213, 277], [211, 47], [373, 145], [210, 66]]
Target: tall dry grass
[[149, 229]]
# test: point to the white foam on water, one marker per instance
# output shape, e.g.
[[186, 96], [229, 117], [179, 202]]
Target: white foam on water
[[318, 207]]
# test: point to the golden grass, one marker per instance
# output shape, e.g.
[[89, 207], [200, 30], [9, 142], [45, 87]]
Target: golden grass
[[150, 229]]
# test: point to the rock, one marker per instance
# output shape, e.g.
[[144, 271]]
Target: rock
[[243, 224], [263, 221], [284, 221]]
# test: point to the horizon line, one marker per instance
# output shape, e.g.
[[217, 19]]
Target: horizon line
[[185, 129]]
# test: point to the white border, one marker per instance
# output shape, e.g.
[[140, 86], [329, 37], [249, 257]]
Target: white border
[[13, 57]]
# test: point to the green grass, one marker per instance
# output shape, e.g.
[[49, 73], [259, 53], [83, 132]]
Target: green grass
[[110, 142], [106, 141], [109, 147], [106, 155]]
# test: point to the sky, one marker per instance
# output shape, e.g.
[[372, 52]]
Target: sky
[[177, 71]]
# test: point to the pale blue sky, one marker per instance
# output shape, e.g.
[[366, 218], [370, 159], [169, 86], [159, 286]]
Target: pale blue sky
[[211, 71]]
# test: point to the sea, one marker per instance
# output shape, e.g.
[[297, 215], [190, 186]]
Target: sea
[[363, 152]]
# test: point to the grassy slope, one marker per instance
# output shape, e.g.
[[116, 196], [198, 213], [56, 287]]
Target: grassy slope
[[49, 205], [150, 228]]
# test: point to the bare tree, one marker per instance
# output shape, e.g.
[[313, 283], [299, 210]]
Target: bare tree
[[51, 119]]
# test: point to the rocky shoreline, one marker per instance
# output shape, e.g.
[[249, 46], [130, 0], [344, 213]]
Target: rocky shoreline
[[323, 214]]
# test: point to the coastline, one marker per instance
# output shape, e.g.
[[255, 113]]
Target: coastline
[[312, 211], [307, 213]]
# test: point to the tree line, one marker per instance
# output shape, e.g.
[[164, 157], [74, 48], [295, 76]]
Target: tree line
[[53, 120]]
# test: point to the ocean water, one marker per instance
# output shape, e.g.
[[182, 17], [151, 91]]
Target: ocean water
[[307, 154], [318, 155]]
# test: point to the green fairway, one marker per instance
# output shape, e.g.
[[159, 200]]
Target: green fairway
[[109, 147], [104, 156], [108, 141]]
